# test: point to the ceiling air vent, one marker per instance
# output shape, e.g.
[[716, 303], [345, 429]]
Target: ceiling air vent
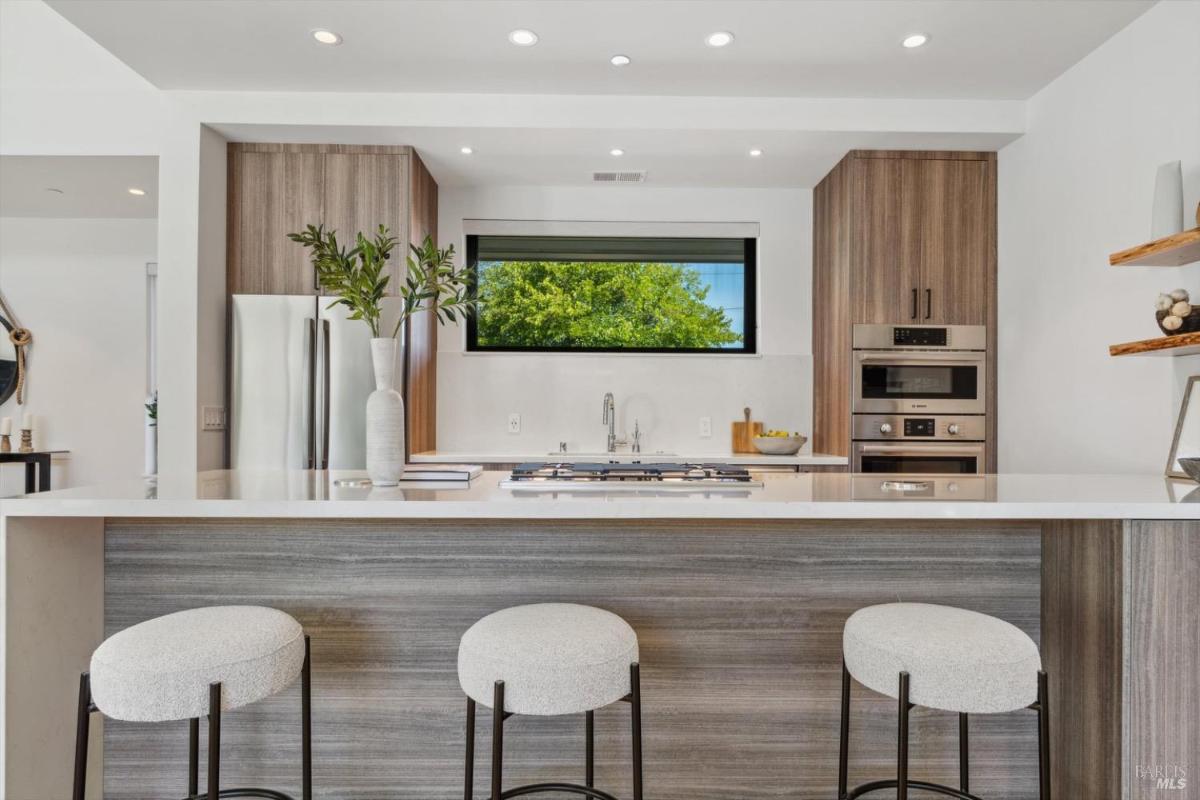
[[618, 177]]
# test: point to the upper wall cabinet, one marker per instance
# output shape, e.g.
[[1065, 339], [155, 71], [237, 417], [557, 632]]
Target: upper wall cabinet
[[275, 189], [921, 236], [955, 244], [271, 194]]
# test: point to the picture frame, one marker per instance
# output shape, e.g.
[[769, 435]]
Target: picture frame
[[1186, 441]]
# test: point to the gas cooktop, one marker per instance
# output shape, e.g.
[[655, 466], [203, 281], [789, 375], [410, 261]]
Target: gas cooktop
[[617, 477]]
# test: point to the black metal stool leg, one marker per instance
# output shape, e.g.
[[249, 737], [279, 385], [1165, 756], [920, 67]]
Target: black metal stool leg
[[844, 738], [635, 704], [214, 741], [589, 747], [964, 767], [1043, 737], [306, 721], [193, 756], [82, 729], [469, 767], [902, 754], [497, 738]]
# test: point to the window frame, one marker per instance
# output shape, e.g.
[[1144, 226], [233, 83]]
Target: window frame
[[749, 344]]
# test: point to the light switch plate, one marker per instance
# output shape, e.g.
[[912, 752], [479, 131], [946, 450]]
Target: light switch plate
[[706, 427], [514, 423], [212, 418]]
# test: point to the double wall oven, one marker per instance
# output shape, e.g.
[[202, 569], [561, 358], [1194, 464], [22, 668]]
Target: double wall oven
[[919, 399]]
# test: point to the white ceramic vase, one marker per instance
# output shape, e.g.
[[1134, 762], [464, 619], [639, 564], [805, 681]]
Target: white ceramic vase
[[385, 418], [1167, 218]]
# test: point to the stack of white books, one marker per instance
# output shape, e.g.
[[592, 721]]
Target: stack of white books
[[461, 473]]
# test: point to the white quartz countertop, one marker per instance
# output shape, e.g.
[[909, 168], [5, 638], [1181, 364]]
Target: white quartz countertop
[[516, 457], [307, 494]]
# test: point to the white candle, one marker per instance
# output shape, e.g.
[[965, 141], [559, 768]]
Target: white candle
[[27, 425], [6, 426]]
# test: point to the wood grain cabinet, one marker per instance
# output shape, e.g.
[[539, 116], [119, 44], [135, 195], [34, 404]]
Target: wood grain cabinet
[[275, 189], [898, 237], [919, 239]]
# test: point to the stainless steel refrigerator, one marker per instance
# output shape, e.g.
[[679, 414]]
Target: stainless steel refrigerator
[[300, 373]]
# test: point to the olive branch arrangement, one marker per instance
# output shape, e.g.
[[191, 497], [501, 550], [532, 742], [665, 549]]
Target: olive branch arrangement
[[357, 276]]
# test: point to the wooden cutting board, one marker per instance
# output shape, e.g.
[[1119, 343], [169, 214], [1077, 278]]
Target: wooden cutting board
[[744, 433]]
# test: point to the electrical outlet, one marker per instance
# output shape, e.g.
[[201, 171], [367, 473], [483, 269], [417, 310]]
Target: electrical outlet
[[514, 423], [706, 427], [212, 418]]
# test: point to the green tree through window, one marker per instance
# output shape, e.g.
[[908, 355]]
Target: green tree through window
[[598, 304]]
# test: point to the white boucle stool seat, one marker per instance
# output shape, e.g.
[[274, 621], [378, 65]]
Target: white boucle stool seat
[[957, 660], [161, 669], [554, 658]]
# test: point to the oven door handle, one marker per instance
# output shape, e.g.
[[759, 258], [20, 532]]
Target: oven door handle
[[924, 450], [920, 361]]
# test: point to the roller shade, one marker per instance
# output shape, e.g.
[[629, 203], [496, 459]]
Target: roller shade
[[611, 248]]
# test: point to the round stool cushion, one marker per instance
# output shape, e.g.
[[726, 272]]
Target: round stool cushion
[[161, 669], [957, 660], [554, 658]]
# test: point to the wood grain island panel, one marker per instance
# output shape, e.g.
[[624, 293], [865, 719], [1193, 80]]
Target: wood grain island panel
[[739, 625]]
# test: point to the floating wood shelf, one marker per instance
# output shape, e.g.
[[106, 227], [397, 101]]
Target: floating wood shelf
[[1170, 251], [1185, 344]]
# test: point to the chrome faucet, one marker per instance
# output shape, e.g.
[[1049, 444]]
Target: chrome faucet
[[637, 437], [610, 419]]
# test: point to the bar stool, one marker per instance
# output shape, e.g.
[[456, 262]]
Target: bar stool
[[942, 658], [546, 660], [194, 663]]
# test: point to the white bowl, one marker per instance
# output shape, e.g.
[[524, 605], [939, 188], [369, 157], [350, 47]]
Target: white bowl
[[779, 445]]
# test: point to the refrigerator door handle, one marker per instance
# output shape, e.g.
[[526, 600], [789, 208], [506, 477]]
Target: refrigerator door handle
[[325, 401], [311, 437]]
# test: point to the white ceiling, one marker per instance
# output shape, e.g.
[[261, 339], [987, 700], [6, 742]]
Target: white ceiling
[[92, 186], [567, 157], [982, 49]]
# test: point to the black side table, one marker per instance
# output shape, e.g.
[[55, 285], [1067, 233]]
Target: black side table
[[37, 469]]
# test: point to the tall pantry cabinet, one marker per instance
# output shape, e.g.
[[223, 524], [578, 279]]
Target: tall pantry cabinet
[[899, 237], [275, 189]]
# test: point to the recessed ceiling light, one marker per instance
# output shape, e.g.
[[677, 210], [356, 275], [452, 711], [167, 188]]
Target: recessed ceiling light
[[616, 151], [756, 152], [718, 39], [916, 40], [619, 61], [136, 191], [326, 37], [523, 38], [53, 190], [466, 151]]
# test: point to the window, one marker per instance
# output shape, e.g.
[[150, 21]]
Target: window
[[613, 294]]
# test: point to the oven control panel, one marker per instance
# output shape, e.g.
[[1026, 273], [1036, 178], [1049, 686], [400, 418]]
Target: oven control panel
[[877, 427], [918, 337], [918, 426]]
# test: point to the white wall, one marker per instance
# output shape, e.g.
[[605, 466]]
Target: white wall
[[1075, 188], [79, 286], [559, 396]]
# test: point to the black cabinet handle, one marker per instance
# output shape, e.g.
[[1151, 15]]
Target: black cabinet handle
[[914, 304], [928, 303]]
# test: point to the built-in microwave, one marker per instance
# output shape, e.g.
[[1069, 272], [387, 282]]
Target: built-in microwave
[[904, 369]]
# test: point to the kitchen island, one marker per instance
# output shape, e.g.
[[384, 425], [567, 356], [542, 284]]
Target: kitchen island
[[738, 598]]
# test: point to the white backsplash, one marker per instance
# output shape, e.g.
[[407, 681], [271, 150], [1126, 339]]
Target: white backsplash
[[559, 398]]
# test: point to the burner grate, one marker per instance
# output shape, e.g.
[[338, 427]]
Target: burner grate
[[612, 472]]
